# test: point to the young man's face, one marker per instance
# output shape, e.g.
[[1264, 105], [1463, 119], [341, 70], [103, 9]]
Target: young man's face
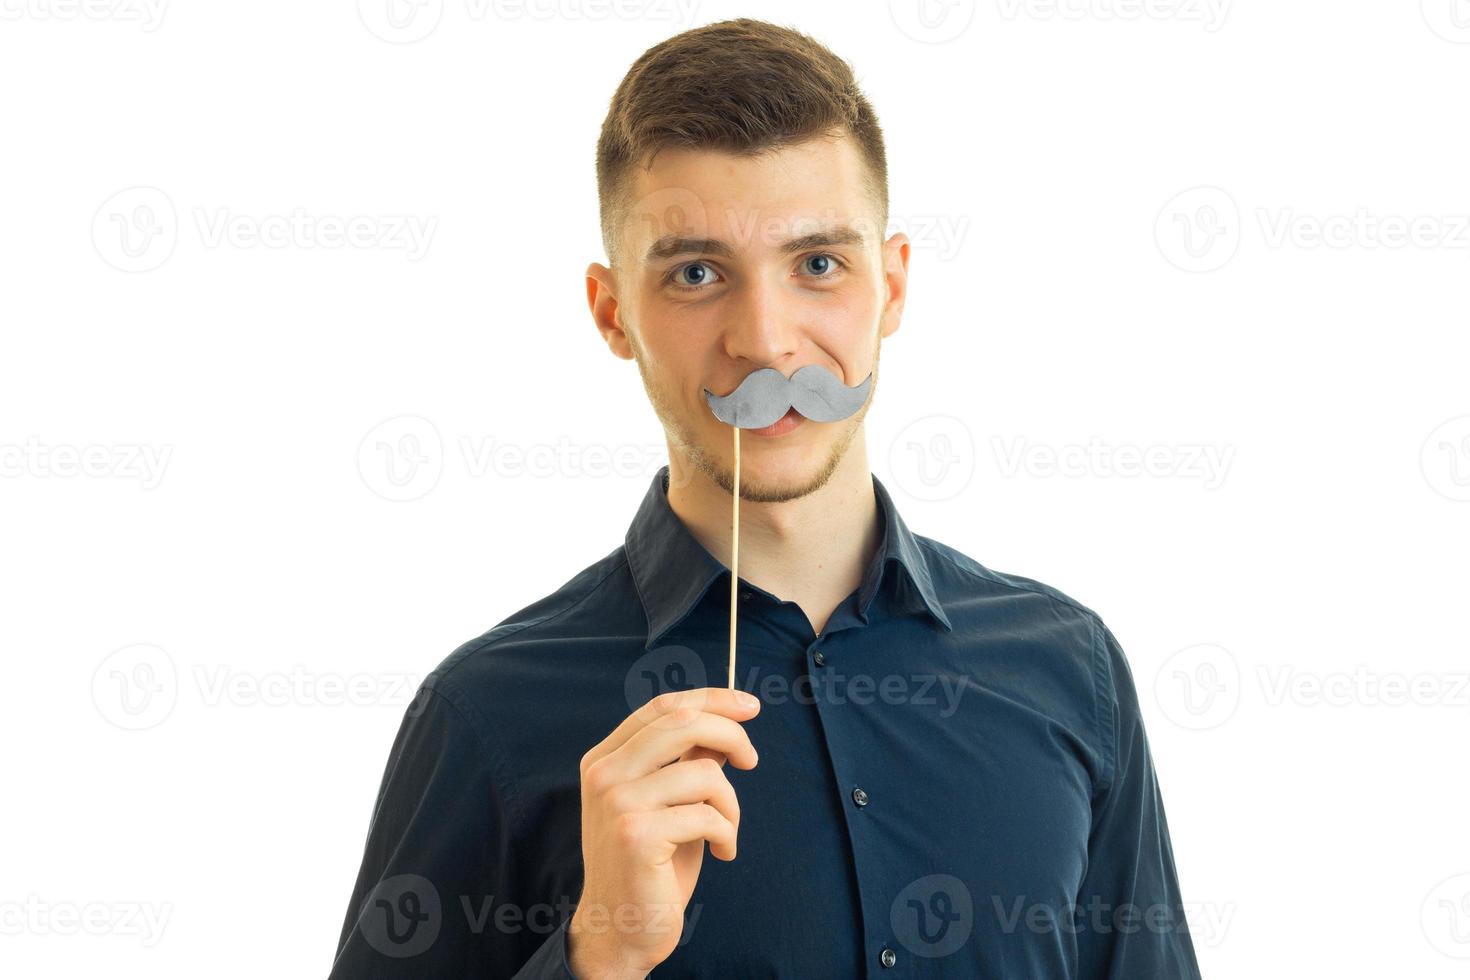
[[728, 264]]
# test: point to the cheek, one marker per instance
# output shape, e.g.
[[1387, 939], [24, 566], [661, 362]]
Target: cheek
[[682, 340], [862, 306], [672, 357], [679, 347], [845, 323], [856, 298]]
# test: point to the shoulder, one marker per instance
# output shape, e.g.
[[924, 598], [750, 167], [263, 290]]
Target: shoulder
[[961, 577], [500, 686], [577, 609], [1062, 645]]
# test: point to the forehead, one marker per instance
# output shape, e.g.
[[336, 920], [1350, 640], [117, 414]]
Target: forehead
[[750, 202]]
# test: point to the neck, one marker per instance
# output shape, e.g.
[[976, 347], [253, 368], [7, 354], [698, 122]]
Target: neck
[[812, 550]]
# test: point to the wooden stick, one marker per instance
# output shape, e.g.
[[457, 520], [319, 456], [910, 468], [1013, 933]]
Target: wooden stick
[[734, 552]]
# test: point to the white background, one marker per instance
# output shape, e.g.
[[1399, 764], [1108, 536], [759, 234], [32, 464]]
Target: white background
[[1195, 230]]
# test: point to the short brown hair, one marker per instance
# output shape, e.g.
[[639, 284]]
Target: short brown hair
[[739, 86]]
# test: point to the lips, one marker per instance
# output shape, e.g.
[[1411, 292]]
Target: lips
[[781, 426]]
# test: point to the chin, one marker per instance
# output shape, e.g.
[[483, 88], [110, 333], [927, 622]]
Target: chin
[[772, 473]]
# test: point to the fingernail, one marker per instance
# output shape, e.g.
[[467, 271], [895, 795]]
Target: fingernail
[[747, 699]]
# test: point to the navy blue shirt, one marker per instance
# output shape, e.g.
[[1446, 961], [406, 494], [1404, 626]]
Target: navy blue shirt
[[954, 779]]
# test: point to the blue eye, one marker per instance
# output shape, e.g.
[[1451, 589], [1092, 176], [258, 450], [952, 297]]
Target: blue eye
[[694, 276], [828, 265], [698, 279]]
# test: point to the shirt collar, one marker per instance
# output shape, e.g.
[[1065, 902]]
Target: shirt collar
[[672, 571]]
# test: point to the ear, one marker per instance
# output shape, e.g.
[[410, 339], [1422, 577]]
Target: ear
[[895, 260], [602, 300]]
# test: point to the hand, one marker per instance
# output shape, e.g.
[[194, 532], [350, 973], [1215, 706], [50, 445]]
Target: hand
[[653, 792]]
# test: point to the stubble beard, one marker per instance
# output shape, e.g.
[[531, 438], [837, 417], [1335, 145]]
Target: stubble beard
[[682, 439]]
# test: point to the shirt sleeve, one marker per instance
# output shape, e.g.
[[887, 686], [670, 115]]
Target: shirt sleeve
[[438, 864], [1130, 917]]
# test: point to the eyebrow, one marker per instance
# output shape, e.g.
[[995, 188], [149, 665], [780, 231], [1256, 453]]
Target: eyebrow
[[671, 245]]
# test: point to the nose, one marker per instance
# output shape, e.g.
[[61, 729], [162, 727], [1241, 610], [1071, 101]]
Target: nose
[[764, 328]]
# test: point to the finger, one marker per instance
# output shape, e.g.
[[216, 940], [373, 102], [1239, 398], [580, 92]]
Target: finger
[[667, 829], [702, 752], [720, 700], [658, 744], [698, 781]]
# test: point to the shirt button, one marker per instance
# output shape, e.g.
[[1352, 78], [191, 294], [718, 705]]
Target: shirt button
[[819, 658], [859, 796], [888, 957], [745, 596]]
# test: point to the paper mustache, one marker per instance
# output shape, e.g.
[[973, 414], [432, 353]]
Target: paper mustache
[[766, 394]]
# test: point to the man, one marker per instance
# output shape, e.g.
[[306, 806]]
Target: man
[[953, 778]]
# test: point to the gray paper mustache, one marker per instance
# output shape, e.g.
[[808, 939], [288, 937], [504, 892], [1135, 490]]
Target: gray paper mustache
[[766, 394]]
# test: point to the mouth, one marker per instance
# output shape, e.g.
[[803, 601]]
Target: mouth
[[791, 420]]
